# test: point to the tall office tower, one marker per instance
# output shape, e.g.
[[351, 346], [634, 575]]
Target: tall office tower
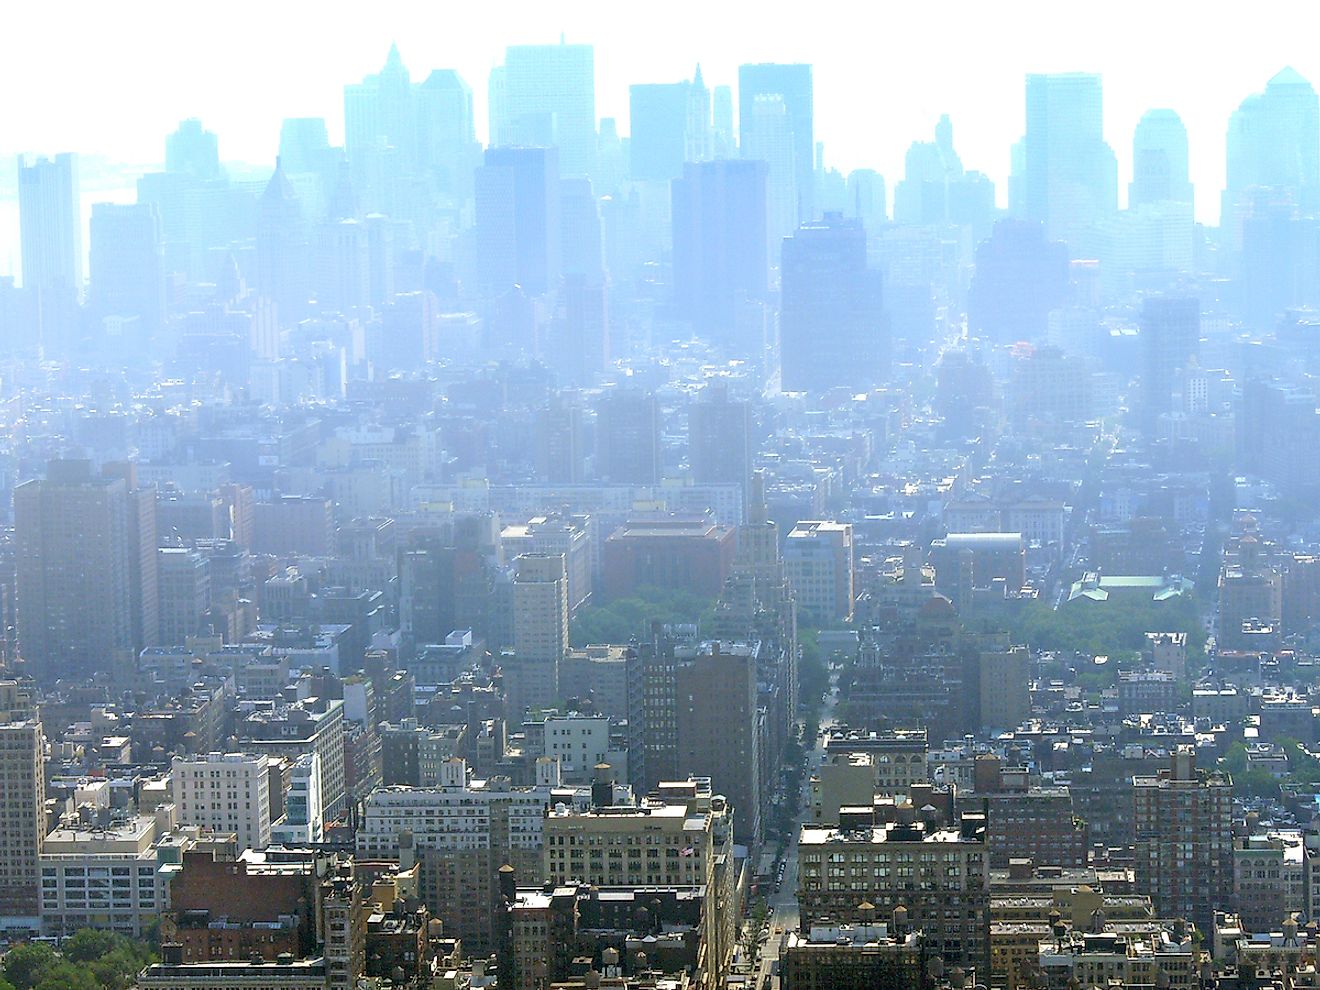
[[867, 199], [832, 326], [546, 95], [583, 350], [127, 264], [540, 632], [184, 580], [700, 136], [724, 143], [721, 259], [228, 792], [341, 275], [658, 141], [560, 441], [1159, 160], [770, 139], [1274, 144], [818, 560], [720, 438], [23, 796], [1070, 179], [50, 230], [446, 132], [1021, 275], [193, 150], [305, 144], [581, 251], [282, 249], [379, 116], [1170, 341], [792, 84], [1184, 849], [518, 224], [86, 569], [628, 438]]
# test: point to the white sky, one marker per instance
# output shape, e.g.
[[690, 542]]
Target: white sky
[[114, 78]]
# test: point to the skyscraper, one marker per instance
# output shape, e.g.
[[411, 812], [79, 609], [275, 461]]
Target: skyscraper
[[193, 150], [540, 632], [720, 244], [793, 85], [1274, 143], [446, 137], [51, 240], [546, 95], [832, 327], [1071, 176], [23, 796], [518, 224], [720, 439], [86, 569], [1020, 276], [628, 437], [378, 114], [1159, 160], [282, 248], [127, 263], [1184, 848], [1170, 340], [658, 115], [771, 139]]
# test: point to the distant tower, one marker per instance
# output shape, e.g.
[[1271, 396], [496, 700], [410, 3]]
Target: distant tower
[[50, 230], [518, 223], [793, 85], [193, 150], [127, 263], [282, 260], [1071, 175], [832, 326], [546, 95], [540, 631], [720, 438], [628, 437], [1170, 341], [1159, 160]]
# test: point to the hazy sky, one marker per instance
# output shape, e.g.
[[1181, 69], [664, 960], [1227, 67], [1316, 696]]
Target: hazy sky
[[114, 78]]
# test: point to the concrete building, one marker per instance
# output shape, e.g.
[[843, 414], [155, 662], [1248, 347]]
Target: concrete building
[[312, 725], [863, 956], [556, 534], [101, 877], [818, 559], [940, 875], [540, 632], [1269, 880], [303, 821], [674, 551], [1184, 841], [227, 792], [23, 795], [184, 580], [1098, 958]]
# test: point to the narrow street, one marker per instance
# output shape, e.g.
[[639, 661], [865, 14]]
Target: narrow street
[[783, 916]]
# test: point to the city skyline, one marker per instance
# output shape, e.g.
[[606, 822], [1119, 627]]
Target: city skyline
[[310, 60]]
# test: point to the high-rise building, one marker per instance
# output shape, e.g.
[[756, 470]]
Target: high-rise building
[[1021, 275], [818, 558], [939, 878], [291, 731], [86, 569], [518, 224], [282, 260], [378, 115], [546, 95], [1170, 341], [227, 792], [1273, 144], [720, 441], [832, 326], [793, 85], [658, 143], [770, 138], [561, 441], [1183, 820], [540, 632], [127, 262], [50, 233], [720, 247], [193, 150], [23, 793], [446, 135], [1159, 160], [628, 437], [1070, 178], [185, 593]]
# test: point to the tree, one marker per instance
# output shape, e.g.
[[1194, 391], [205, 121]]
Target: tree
[[27, 965], [90, 943]]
